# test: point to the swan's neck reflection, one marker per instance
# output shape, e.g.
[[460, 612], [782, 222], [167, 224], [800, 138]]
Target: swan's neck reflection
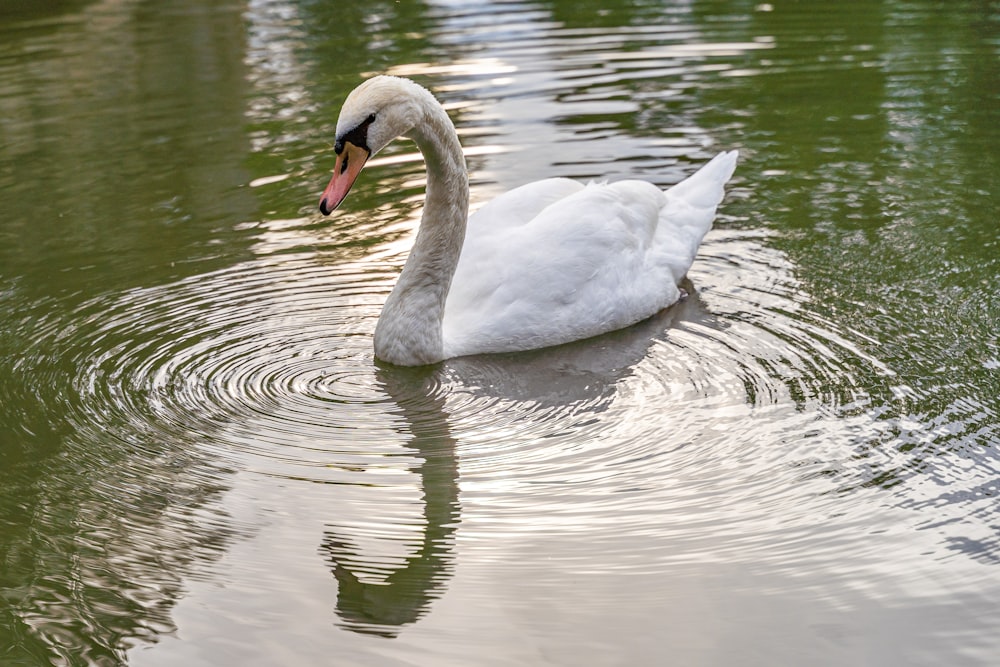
[[383, 607]]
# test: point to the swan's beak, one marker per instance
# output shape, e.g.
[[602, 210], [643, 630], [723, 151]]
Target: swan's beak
[[345, 171]]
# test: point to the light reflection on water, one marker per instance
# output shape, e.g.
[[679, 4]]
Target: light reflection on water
[[755, 471]]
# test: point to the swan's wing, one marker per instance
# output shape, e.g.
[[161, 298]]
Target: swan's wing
[[520, 205], [576, 269], [555, 261]]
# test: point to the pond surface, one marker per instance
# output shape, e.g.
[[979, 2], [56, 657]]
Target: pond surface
[[202, 464]]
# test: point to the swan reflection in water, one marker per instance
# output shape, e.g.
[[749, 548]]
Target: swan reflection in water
[[381, 608], [569, 376]]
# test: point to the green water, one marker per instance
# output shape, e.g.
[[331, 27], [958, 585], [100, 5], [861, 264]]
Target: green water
[[201, 462]]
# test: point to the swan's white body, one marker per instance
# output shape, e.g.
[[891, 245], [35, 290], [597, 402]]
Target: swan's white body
[[547, 263]]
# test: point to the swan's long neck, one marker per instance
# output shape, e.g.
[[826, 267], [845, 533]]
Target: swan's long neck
[[409, 329]]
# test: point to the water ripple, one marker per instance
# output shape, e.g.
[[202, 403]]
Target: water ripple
[[274, 359]]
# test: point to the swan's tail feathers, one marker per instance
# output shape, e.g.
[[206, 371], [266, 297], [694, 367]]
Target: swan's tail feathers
[[704, 188], [690, 210]]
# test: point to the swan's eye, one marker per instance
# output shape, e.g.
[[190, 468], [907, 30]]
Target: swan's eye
[[357, 136]]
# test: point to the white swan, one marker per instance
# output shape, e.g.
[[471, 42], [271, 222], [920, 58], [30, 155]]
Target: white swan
[[546, 263]]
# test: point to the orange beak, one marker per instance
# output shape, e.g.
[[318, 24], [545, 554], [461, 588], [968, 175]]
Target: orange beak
[[345, 172]]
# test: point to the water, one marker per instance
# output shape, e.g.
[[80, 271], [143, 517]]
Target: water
[[201, 463]]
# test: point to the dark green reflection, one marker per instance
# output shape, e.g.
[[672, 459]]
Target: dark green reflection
[[121, 166], [873, 136]]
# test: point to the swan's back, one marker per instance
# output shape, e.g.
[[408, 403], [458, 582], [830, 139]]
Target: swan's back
[[556, 261]]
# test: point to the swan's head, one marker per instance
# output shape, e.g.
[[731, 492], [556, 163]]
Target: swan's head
[[376, 112]]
